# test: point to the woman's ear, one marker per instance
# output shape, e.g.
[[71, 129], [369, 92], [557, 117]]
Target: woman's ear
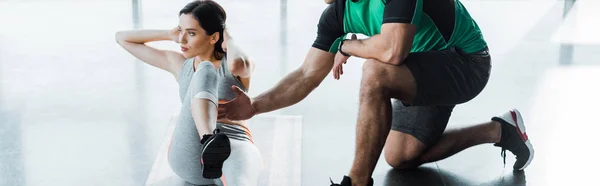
[[215, 37]]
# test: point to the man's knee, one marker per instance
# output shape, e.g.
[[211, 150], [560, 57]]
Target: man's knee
[[393, 81], [372, 72], [403, 151], [372, 77], [403, 159]]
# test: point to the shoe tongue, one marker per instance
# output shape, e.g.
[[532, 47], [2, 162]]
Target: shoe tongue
[[204, 138], [346, 181], [504, 137]]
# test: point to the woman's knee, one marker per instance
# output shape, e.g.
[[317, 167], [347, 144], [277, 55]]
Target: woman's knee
[[204, 83]]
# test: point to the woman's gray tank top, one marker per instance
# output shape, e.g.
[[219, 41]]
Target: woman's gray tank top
[[226, 80]]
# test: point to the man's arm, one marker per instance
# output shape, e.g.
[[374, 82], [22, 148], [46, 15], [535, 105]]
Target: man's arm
[[391, 46], [298, 84], [317, 64], [394, 42]]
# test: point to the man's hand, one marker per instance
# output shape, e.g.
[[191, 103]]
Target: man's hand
[[339, 60], [239, 108]]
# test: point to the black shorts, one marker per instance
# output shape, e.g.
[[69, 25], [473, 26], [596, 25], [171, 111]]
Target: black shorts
[[444, 79]]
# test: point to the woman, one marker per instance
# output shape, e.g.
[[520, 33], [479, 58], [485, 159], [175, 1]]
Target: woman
[[205, 72]]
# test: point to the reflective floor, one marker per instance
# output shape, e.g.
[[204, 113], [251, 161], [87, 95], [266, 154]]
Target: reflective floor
[[76, 109]]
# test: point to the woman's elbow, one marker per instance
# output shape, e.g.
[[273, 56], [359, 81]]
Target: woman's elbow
[[119, 38], [241, 67]]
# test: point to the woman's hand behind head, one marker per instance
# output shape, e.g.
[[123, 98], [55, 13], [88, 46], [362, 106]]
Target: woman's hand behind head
[[174, 34]]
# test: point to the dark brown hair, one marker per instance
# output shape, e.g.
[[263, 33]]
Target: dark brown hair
[[211, 17]]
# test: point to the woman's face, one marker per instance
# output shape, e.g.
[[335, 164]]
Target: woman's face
[[194, 40]]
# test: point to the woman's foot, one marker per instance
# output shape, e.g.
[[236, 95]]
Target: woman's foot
[[216, 149]]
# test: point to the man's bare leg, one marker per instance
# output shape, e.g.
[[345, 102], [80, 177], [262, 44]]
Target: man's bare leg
[[506, 131], [380, 82], [404, 151], [456, 140]]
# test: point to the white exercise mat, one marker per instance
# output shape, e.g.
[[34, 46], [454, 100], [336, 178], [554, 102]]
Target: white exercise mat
[[278, 138]]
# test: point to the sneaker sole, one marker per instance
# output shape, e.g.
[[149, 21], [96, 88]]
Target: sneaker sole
[[214, 155], [521, 128]]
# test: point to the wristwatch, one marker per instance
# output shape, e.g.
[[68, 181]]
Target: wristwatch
[[340, 48]]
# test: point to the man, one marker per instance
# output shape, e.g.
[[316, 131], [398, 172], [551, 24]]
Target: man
[[426, 56]]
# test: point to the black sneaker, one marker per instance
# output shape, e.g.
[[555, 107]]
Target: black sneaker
[[514, 138], [348, 182], [216, 149]]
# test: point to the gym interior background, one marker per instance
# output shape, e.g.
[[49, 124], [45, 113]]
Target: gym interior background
[[76, 109]]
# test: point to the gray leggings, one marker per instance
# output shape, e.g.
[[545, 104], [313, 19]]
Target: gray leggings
[[241, 168]]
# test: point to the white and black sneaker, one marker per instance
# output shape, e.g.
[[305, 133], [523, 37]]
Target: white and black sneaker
[[216, 149], [514, 138]]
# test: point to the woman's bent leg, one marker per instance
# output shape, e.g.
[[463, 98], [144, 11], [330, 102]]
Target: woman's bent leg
[[244, 164]]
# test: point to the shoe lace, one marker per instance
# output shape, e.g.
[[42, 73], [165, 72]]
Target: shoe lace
[[333, 184], [503, 154], [512, 148]]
